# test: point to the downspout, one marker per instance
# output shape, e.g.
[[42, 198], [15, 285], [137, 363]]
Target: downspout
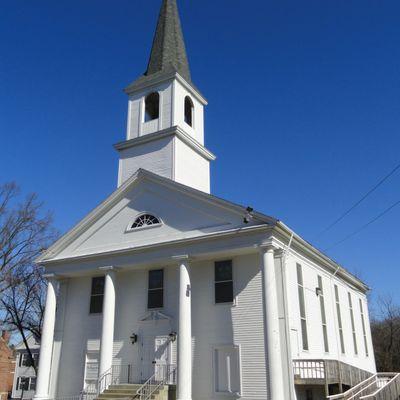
[[286, 320]]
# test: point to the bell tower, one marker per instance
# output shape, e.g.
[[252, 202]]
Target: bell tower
[[165, 129]]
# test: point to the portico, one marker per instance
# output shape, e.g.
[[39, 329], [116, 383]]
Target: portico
[[180, 267]]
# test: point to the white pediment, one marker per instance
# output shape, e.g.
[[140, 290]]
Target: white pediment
[[154, 316], [184, 213]]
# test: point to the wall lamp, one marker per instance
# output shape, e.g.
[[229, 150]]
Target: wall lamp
[[318, 291], [173, 336], [134, 338]]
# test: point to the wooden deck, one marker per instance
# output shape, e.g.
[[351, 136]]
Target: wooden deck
[[327, 372]]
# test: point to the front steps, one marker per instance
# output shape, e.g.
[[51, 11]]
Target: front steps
[[128, 392]]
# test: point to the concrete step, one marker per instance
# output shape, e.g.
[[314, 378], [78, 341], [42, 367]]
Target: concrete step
[[126, 386]]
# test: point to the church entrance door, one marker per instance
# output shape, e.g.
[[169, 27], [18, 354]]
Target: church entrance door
[[156, 357]]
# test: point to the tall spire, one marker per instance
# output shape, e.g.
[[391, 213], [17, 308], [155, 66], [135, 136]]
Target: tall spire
[[168, 52]]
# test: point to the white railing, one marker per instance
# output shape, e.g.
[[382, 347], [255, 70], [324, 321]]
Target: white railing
[[116, 375], [328, 372], [388, 388], [382, 386], [164, 375]]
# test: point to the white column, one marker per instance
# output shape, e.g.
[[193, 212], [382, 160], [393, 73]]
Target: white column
[[46, 343], [107, 333], [184, 387], [271, 325]]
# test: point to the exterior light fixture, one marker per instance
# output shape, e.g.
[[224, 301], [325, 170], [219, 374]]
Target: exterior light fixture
[[318, 291], [134, 338], [172, 336]]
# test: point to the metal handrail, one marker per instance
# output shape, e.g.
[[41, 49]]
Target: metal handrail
[[154, 383], [117, 374]]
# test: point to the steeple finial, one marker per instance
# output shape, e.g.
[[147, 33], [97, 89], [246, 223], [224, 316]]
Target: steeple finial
[[168, 51]]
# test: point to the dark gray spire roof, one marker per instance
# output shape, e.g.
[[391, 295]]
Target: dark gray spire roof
[[168, 45], [168, 54]]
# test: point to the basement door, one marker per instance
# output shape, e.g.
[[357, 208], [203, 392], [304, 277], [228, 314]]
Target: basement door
[[156, 356]]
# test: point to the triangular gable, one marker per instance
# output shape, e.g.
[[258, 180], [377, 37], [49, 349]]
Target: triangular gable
[[184, 212]]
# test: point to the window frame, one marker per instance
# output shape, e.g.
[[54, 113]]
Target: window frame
[[364, 328], [353, 324], [236, 347], [339, 319], [19, 382], [24, 360], [324, 321], [154, 289], [188, 99], [129, 228], [145, 120], [96, 295], [225, 303], [32, 379], [303, 319]]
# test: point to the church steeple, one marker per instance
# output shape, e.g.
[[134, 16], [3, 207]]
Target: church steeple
[[168, 51], [165, 132]]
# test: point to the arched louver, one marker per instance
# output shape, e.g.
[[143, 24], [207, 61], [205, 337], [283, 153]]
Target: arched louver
[[189, 111], [152, 107], [145, 220]]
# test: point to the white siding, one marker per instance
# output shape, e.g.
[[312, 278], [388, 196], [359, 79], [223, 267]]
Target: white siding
[[220, 324], [155, 156], [197, 131], [314, 323], [136, 125], [239, 324], [191, 168]]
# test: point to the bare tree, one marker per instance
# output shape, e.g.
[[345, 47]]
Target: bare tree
[[23, 308], [386, 335], [25, 231]]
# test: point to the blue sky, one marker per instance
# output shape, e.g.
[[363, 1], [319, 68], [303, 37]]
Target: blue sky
[[304, 109]]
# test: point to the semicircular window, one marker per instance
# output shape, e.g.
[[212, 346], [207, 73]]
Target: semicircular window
[[145, 220]]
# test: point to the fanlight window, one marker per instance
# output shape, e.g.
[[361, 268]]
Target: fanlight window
[[189, 111], [145, 220], [152, 107]]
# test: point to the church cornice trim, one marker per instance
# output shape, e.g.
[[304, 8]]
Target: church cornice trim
[[156, 80], [174, 131]]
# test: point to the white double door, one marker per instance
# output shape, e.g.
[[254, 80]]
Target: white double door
[[156, 357]]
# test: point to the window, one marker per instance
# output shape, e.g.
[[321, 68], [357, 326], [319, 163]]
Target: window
[[323, 314], [227, 370], [97, 295], [23, 383], [32, 384], [363, 328], [353, 328], [155, 298], [303, 319], [339, 318], [152, 107], [25, 361], [223, 282], [145, 220], [189, 111]]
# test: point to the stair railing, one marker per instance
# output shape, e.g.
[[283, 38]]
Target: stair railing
[[116, 375], [164, 374], [389, 388]]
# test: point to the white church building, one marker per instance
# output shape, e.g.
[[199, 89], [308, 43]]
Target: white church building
[[166, 291]]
